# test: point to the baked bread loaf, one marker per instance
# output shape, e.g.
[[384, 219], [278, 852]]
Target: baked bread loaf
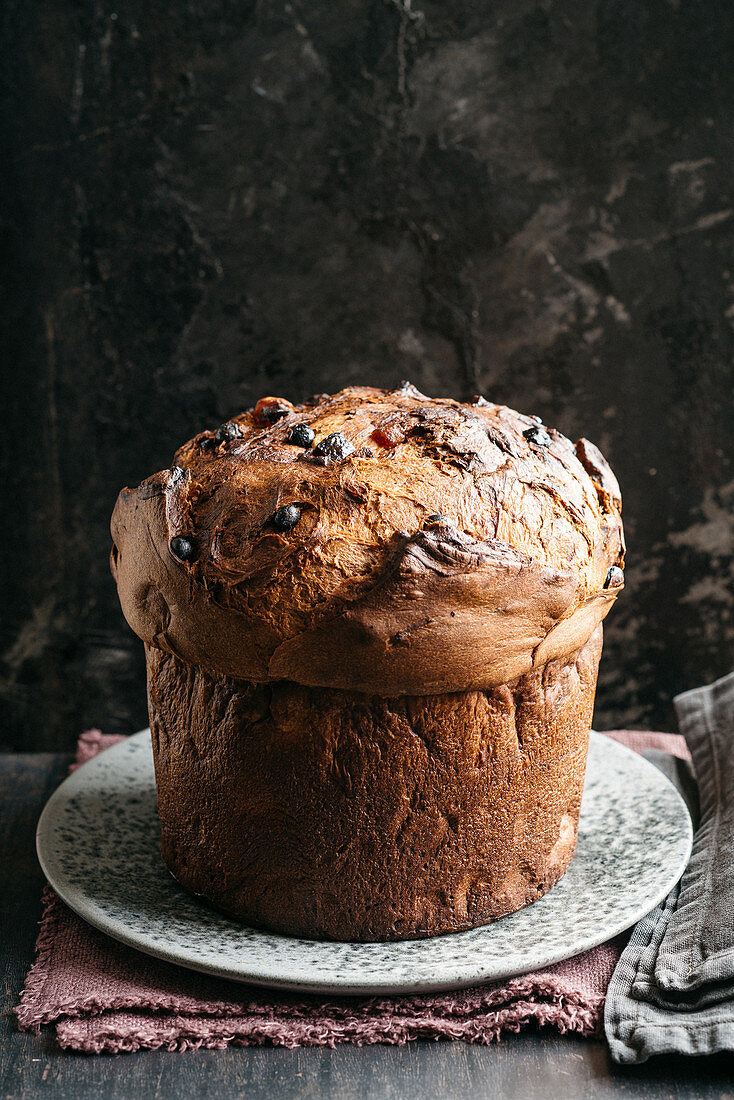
[[372, 627]]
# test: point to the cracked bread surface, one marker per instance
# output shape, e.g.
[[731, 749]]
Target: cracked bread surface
[[367, 591]]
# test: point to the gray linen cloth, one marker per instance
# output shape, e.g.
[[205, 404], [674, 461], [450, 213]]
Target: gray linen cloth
[[673, 989]]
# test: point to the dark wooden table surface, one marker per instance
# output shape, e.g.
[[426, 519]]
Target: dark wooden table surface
[[533, 1064]]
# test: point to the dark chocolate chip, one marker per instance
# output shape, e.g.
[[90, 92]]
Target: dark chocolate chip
[[301, 435], [183, 548], [286, 517], [537, 434], [270, 409], [333, 448], [207, 443], [614, 577], [436, 520], [227, 432]]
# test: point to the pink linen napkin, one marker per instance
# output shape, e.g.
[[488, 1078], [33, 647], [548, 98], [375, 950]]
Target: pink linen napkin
[[102, 996]]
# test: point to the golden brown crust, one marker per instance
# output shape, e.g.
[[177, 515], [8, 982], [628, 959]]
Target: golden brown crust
[[362, 593], [335, 815]]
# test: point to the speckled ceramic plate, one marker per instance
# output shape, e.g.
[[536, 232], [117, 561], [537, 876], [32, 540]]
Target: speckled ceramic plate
[[98, 843]]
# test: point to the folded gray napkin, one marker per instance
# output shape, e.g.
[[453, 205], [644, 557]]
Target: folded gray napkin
[[673, 989]]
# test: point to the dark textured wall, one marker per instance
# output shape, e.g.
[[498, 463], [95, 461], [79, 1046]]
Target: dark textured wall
[[206, 202]]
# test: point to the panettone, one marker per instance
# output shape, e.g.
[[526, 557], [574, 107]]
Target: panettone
[[372, 627]]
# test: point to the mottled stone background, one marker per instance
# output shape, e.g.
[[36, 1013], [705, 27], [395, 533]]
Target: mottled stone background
[[206, 202]]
